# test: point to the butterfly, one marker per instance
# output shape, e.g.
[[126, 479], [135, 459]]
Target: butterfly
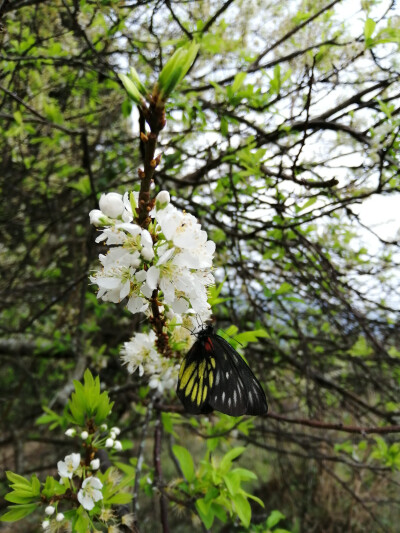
[[214, 376]]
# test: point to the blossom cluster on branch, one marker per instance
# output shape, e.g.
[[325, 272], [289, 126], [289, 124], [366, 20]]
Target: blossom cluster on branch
[[167, 265]]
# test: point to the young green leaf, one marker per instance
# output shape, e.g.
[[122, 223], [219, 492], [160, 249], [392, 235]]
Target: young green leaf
[[185, 461]]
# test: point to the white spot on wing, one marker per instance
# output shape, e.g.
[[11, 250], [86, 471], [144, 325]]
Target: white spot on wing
[[217, 376], [223, 397], [229, 402], [235, 397]]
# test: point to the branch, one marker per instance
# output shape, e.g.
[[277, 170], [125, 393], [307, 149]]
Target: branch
[[158, 473], [336, 427]]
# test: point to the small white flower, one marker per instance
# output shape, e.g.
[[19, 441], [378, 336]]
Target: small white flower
[[138, 351], [45, 524], [90, 492], [162, 199], [68, 467], [50, 510], [117, 445], [103, 427], [59, 517], [70, 432], [97, 218], [95, 464], [112, 204], [113, 435], [116, 430], [84, 435], [109, 443]]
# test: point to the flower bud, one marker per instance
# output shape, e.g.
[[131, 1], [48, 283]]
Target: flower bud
[[117, 445], [95, 464], [45, 524], [96, 216], [116, 430], [103, 427], [84, 435], [162, 199], [49, 510], [111, 204], [70, 432], [60, 517], [109, 443]]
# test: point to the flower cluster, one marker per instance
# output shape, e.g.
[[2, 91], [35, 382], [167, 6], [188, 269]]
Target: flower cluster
[[171, 259], [173, 256]]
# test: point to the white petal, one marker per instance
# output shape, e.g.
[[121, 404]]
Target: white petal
[[146, 239], [166, 256], [153, 275], [133, 229], [108, 283], [126, 287], [147, 253], [137, 305]]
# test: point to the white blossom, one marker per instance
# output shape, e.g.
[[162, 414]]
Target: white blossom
[[95, 464], [84, 435], [162, 199], [97, 217], [111, 204], [69, 466], [59, 517], [46, 524], [172, 258], [50, 509], [117, 445], [139, 351], [90, 492], [109, 443], [70, 432], [116, 430]]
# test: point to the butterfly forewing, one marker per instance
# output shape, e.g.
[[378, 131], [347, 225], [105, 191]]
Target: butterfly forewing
[[237, 391], [214, 376]]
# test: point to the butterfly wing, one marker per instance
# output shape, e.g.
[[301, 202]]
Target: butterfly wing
[[195, 380], [236, 391], [214, 376]]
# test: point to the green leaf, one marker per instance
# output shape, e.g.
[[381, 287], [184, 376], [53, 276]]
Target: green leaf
[[274, 518], [82, 522], [18, 481], [120, 498], [230, 456], [185, 461], [369, 28], [17, 512], [238, 81], [243, 509], [131, 89], [205, 511], [19, 497]]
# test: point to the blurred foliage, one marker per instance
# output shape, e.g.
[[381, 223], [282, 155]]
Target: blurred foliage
[[287, 122]]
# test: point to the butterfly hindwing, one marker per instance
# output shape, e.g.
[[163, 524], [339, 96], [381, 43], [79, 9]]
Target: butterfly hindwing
[[214, 376], [236, 391]]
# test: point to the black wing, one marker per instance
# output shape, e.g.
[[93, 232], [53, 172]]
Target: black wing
[[214, 376], [236, 391]]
